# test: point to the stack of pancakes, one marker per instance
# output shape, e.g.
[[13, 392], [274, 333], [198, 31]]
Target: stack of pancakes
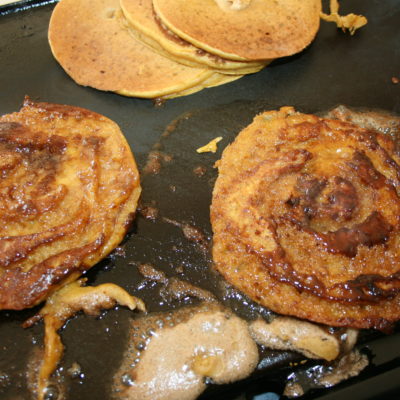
[[170, 48]]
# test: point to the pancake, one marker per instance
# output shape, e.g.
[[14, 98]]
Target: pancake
[[216, 79], [306, 217], [149, 30], [261, 30], [68, 193], [95, 49]]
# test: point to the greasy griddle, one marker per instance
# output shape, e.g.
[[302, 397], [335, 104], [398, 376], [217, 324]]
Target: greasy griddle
[[336, 69]]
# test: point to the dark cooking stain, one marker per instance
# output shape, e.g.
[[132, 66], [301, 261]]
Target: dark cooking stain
[[192, 234], [200, 170], [174, 124], [177, 289], [155, 159], [149, 212], [151, 273], [174, 288]]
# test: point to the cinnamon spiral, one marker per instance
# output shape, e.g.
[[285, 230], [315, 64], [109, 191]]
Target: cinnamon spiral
[[68, 190], [306, 214]]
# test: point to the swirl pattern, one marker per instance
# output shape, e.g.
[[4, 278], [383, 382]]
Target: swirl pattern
[[306, 214], [68, 190]]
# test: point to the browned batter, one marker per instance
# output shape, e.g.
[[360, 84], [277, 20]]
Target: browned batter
[[170, 355], [306, 216], [68, 190]]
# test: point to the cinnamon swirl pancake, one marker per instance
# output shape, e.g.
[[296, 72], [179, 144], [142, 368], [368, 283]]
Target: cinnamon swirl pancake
[[68, 190], [306, 218]]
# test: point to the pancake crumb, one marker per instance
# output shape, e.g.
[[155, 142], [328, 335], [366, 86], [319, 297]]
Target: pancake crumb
[[350, 22], [210, 147]]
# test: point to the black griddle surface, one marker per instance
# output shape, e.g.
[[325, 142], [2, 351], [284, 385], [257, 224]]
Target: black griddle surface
[[336, 69]]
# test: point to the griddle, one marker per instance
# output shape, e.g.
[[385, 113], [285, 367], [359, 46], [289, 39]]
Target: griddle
[[335, 69]]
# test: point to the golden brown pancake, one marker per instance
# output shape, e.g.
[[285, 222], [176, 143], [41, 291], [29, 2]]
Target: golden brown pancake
[[95, 49], [146, 27], [216, 79], [261, 30], [306, 218], [68, 193]]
